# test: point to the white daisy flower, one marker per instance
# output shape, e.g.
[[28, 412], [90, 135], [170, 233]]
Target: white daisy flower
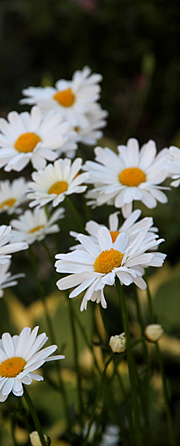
[[130, 175], [97, 264], [72, 99], [7, 244], [20, 356], [12, 195], [31, 137], [130, 225], [35, 225], [6, 280], [174, 165], [56, 181], [92, 133]]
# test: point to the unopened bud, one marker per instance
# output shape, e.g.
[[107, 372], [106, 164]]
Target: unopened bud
[[118, 343], [35, 439], [153, 332]]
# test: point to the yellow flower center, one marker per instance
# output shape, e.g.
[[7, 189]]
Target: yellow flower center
[[58, 188], [66, 98], [27, 142], [108, 260], [10, 202], [132, 176], [114, 235], [36, 228], [11, 367]]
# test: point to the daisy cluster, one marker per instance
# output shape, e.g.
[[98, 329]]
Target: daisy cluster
[[44, 141], [123, 251], [47, 138]]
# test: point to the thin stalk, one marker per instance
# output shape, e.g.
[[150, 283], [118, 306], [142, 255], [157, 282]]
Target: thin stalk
[[51, 258], [93, 414], [75, 348], [41, 294], [76, 217], [118, 421], [102, 312], [131, 365], [144, 398], [166, 398], [139, 314], [56, 242], [165, 391], [24, 415], [35, 417], [13, 430], [126, 402], [83, 332], [52, 334], [149, 299], [87, 210], [95, 326], [1, 326]]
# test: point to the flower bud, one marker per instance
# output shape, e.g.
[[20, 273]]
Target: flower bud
[[118, 343], [35, 440], [153, 332]]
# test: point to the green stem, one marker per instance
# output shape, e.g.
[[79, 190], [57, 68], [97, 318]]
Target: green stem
[[149, 298], [76, 217], [139, 314], [1, 329], [126, 401], [87, 210], [144, 392], [24, 415], [131, 365], [51, 258], [166, 398], [41, 294], [52, 334], [13, 429], [83, 332], [165, 391], [75, 345], [114, 407], [93, 414], [34, 416]]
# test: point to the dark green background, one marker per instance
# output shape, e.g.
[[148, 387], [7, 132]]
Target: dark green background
[[133, 43]]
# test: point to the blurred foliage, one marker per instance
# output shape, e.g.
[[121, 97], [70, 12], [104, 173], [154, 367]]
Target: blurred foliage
[[135, 45]]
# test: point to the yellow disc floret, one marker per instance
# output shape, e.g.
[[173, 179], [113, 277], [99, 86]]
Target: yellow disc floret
[[9, 203], [35, 229], [27, 142], [108, 260], [114, 235], [132, 176], [66, 98], [58, 188], [11, 367]]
